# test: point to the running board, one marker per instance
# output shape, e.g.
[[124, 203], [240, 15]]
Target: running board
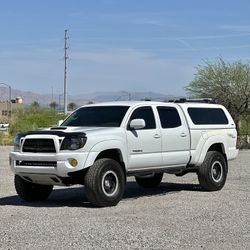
[[145, 171]]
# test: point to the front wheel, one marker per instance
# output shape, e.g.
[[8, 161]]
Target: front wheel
[[213, 172], [29, 191], [149, 182], [104, 183]]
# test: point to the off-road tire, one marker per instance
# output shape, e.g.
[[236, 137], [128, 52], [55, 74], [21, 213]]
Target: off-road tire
[[149, 182], [212, 173], [29, 191], [104, 183]]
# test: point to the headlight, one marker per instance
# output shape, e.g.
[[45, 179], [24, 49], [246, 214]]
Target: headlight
[[17, 142], [73, 143]]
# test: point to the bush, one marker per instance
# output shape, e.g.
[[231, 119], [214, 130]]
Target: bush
[[244, 142], [28, 119], [5, 138]]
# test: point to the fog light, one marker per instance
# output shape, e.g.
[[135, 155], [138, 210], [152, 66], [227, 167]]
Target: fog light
[[73, 162]]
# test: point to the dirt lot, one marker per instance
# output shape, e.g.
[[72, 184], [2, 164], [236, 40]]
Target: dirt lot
[[177, 215]]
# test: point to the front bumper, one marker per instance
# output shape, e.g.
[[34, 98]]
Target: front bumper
[[54, 164]]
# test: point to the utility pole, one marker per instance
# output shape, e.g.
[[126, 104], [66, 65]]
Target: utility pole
[[66, 37], [52, 94]]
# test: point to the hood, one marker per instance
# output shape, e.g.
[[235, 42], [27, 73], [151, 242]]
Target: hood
[[64, 131], [85, 130]]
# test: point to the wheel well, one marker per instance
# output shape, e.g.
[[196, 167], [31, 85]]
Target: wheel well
[[219, 147], [114, 154]]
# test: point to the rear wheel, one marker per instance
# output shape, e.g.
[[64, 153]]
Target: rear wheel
[[149, 182], [105, 183], [29, 191], [213, 172]]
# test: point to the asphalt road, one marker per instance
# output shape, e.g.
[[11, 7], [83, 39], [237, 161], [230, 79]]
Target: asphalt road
[[177, 215]]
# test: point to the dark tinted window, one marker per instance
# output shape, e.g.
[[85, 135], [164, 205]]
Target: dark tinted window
[[169, 117], [98, 116], [207, 116], [145, 113]]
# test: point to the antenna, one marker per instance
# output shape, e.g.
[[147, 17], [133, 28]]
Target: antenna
[[66, 37]]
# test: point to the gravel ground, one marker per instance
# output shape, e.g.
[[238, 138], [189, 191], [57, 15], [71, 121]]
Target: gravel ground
[[177, 215]]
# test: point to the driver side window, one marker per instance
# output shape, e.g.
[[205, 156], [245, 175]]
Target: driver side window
[[145, 113]]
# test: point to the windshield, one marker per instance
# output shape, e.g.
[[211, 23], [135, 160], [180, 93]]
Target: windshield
[[97, 116]]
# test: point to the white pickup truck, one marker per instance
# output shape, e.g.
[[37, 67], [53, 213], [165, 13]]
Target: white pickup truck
[[100, 145]]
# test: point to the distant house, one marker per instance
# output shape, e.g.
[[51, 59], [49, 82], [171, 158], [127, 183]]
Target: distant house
[[6, 109]]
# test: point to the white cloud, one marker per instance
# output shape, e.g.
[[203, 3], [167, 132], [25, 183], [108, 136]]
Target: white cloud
[[236, 28], [110, 70], [147, 21], [131, 70]]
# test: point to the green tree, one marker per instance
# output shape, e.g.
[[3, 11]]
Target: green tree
[[226, 83], [72, 106], [90, 102], [35, 105], [53, 105]]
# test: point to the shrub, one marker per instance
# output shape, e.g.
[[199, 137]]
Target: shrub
[[33, 118]]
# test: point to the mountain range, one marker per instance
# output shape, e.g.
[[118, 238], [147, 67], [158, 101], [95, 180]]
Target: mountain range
[[81, 99]]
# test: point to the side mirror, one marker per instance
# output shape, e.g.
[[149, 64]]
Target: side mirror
[[59, 123], [137, 124]]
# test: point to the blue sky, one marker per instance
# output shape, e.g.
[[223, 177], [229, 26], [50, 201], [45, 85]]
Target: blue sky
[[132, 45]]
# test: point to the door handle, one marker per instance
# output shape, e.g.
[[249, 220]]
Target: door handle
[[183, 134], [156, 136]]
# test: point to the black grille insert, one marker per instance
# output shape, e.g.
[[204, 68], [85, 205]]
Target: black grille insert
[[37, 163], [39, 146]]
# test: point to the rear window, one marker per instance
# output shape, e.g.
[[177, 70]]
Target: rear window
[[203, 116], [169, 117]]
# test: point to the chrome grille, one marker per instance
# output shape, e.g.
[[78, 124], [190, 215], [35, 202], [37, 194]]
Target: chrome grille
[[39, 146]]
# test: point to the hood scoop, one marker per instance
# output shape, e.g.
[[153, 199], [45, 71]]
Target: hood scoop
[[58, 128]]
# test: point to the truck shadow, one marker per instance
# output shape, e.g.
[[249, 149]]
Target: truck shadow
[[75, 197]]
